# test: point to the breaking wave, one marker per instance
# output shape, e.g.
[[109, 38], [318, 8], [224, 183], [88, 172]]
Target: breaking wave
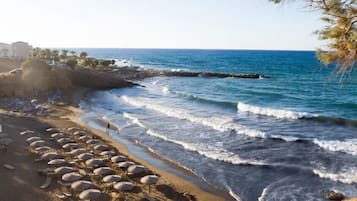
[[277, 113], [208, 151], [218, 123], [348, 177], [134, 120], [204, 150], [347, 146]]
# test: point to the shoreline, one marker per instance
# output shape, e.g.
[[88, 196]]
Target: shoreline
[[66, 114], [144, 154]]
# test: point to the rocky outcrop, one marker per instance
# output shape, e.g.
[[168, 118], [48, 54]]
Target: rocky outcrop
[[331, 195]]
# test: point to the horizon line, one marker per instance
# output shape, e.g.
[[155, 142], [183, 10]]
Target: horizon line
[[170, 48]]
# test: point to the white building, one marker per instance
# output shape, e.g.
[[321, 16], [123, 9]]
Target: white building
[[17, 50], [5, 50]]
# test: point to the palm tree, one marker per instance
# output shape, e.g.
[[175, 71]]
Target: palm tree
[[73, 53], [64, 54], [83, 55], [47, 54], [54, 55]]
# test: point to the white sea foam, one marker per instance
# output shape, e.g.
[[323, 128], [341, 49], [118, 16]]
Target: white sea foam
[[262, 196], [177, 70], [204, 150], [165, 90], [208, 151], [284, 137], [277, 113], [123, 62], [347, 146], [134, 119], [220, 123], [348, 177], [235, 196]]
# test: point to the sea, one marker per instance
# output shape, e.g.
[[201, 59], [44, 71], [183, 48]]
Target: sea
[[290, 137]]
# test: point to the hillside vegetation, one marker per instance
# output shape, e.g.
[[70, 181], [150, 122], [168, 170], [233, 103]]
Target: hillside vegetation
[[38, 77]]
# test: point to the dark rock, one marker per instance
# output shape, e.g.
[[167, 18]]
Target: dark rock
[[331, 195]]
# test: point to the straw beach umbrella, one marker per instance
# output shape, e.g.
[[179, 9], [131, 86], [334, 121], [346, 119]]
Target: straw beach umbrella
[[81, 185], [111, 178], [149, 180], [90, 194], [71, 177]]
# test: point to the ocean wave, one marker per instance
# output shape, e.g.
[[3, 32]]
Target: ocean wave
[[286, 138], [177, 69], [277, 113], [208, 151], [348, 177], [134, 119], [335, 120], [347, 146], [221, 123]]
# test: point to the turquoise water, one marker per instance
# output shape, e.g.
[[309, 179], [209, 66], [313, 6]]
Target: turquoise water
[[290, 137]]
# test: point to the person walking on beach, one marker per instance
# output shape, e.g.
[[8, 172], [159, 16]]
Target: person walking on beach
[[108, 128]]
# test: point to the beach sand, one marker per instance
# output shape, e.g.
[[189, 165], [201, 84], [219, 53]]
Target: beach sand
[[23, 182]]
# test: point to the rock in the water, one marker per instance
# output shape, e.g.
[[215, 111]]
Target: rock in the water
[[331, 195]]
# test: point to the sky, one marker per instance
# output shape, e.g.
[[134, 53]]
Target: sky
[[198, 24]]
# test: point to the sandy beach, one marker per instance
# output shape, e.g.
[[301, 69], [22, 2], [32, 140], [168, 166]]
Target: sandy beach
[[24, 181]]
